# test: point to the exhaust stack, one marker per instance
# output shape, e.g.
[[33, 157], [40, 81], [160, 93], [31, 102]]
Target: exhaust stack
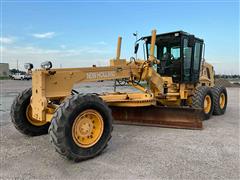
[[119, 48], [152, 48]]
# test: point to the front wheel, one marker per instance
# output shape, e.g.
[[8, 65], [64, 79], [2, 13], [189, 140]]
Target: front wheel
[[21, 115], [81, 127]]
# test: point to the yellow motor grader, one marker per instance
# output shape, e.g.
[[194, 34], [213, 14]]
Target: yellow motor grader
[[176, 90]]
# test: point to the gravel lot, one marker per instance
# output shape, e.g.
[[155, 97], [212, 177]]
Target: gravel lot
[[134, 152]]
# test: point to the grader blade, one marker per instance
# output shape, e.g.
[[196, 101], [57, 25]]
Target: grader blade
[[185, 118]]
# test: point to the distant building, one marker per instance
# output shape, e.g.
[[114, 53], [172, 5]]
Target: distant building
[[4, 69]]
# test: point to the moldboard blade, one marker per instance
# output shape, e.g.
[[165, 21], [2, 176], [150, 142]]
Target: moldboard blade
[[171, 117]]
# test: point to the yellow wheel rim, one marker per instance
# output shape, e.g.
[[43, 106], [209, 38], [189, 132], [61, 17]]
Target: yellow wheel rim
[[87, 128], [33, 121], [207, 104], [222, 100]]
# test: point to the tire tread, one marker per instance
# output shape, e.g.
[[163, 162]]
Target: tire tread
[[58, 122], [20, 121]]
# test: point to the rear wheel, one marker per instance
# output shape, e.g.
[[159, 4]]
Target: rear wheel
[[219, 100], [21, 115], [81, 127], [203, 99]]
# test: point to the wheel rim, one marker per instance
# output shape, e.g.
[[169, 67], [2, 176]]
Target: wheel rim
[[207, 104], [222, 100], [87, 128], [33, 121]]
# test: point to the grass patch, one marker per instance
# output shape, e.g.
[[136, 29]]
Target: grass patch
[[4, 78]]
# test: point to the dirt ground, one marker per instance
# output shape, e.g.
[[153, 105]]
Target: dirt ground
[[134, 152]]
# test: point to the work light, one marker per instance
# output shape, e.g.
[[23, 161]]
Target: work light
[[28, 66], [46, 65]]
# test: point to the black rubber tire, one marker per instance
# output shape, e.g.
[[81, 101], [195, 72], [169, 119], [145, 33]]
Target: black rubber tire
[[198, 100], [217, 90], [61, 126], [19, 118]]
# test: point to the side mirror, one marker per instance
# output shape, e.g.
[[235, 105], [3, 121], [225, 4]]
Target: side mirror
[[136, 48], [191, 41]]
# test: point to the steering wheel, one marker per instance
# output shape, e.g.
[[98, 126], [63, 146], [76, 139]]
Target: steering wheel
[[172, 59], [168, 57]]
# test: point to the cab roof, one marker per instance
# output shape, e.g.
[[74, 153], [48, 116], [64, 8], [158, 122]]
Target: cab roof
[[170, 35]]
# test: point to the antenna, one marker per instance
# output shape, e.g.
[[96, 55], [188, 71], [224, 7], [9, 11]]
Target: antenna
[[136, 36]]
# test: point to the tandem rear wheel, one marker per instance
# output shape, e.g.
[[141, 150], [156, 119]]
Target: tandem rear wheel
[[203, 99], [219, 100], [81, 127], [212, 101]]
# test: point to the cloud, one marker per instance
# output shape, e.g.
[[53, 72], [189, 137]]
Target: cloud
[[46, 35], [63, 46], [101, 43], [6, 40]]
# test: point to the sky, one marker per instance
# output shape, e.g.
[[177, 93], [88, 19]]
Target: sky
[[83, 33]]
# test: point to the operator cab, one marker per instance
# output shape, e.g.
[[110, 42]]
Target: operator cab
[[180, 55]]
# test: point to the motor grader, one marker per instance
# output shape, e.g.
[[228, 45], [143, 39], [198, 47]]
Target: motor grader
[[176, 89]]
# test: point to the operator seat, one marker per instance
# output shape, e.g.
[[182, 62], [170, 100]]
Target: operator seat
[[170, 67]]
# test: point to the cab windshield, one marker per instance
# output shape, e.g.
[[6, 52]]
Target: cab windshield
[[168, 51]]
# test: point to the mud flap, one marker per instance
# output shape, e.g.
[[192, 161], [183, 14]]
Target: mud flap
[[169, 117]]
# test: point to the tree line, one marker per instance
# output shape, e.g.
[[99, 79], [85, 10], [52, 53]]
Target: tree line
[[15, 71], [225, 76]]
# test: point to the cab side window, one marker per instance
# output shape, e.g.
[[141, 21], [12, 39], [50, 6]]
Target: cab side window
[[175, 51], [197, 56], [187, 56]]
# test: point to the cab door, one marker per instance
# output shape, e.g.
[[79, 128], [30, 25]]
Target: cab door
[[196, 61], [192, 56], [187, 59]]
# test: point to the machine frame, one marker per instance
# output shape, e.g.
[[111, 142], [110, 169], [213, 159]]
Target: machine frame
[[80, 125], [48, 86]]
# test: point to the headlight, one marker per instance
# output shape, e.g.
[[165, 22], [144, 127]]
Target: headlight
[[46, 65]]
